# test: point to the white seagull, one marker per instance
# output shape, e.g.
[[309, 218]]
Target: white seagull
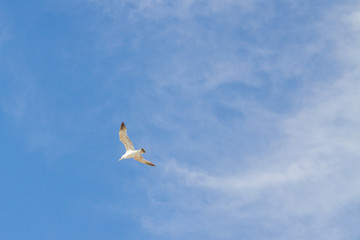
[[130, 150]]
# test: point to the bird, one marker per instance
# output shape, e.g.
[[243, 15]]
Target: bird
[[130, 150]]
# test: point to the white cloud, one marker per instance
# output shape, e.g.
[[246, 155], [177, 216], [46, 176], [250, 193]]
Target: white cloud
[[199, 45], [299, 185], [157, 9], [300, 189], [313, 175]]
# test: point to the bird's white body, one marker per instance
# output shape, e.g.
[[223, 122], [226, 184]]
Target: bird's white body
[[130, 154], [130, 150]]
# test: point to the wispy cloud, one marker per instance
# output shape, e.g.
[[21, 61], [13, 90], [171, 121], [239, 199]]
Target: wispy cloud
[[257, 110], [312, 173], [301, 184], [157, 9]]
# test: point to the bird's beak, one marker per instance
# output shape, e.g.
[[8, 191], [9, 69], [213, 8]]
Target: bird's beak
[[120, 159]]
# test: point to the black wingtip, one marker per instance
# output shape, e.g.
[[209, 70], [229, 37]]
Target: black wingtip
[[142, 150], [122, 126], [151, 164]]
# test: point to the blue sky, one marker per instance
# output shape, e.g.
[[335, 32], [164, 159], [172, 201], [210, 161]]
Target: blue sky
[[248, 108]]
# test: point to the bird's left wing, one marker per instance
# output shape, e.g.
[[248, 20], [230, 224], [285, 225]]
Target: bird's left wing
[[124, 138], [142, 160]]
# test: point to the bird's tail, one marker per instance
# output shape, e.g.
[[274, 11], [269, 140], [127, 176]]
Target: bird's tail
[[142, 150]]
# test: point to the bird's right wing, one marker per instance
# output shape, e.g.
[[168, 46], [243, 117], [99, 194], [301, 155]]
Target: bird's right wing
[[124, 138], [142, 160]]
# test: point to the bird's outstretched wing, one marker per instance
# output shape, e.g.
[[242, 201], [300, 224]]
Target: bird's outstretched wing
[[142, 160], [124, 138]]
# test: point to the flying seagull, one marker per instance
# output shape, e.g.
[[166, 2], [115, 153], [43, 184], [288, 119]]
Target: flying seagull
[[130, 150]]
